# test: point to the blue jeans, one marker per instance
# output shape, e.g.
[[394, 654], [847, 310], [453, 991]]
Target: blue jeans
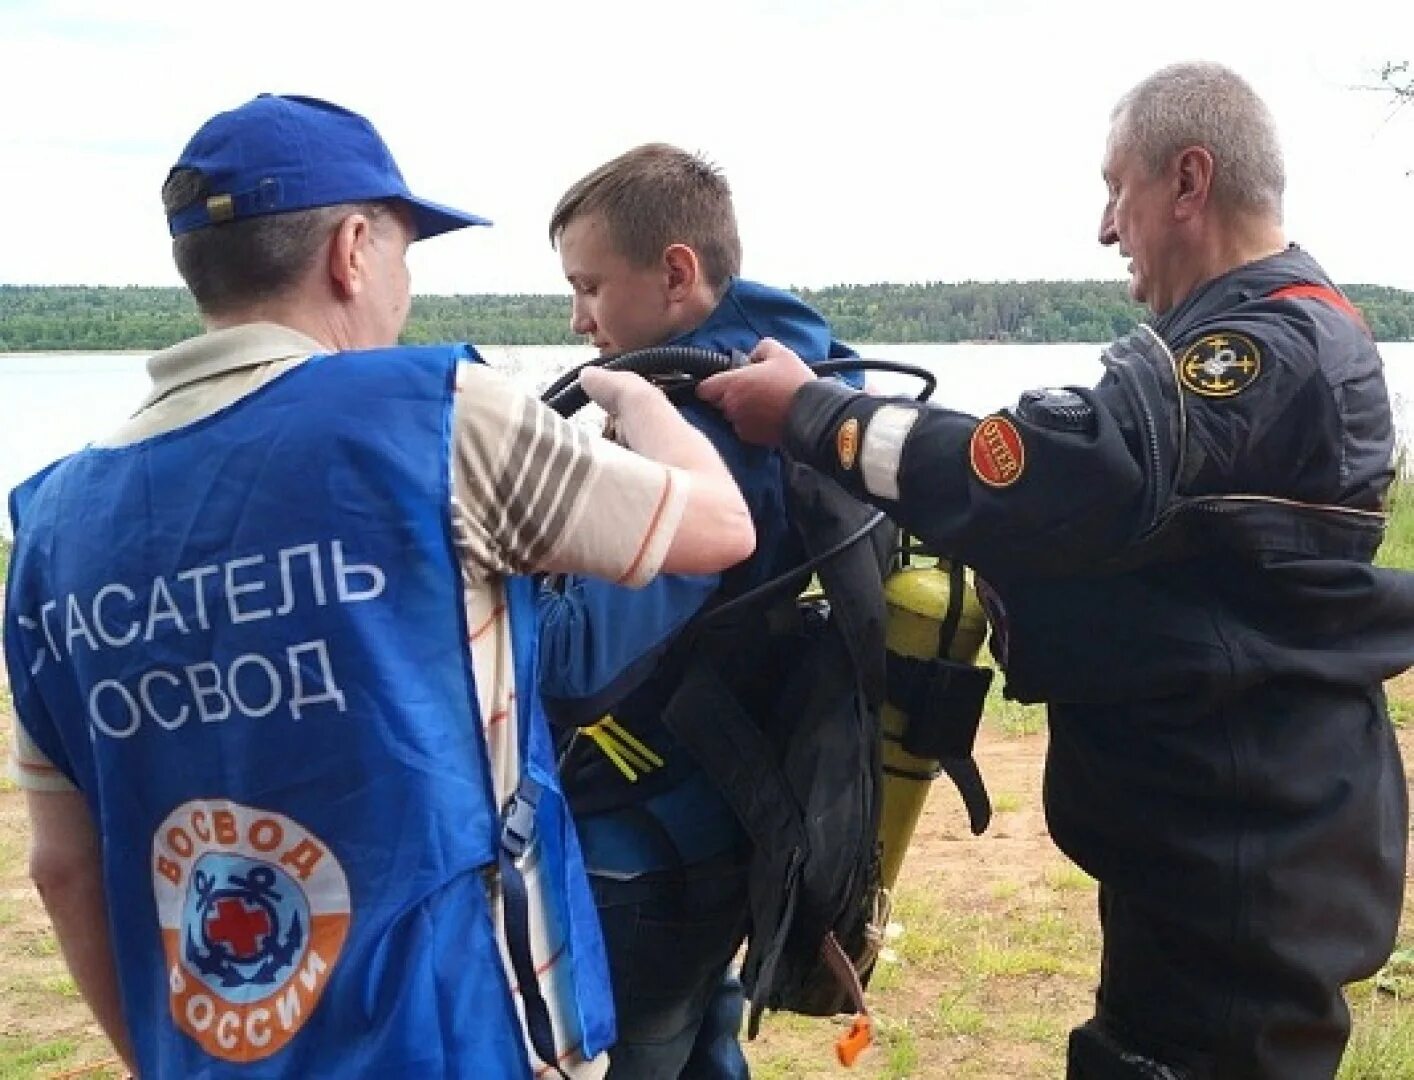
[[671, 939]]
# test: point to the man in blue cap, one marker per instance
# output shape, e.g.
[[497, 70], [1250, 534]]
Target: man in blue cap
[[272, 660]]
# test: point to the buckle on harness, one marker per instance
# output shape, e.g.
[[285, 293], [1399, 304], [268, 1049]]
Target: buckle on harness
[[518, 818]]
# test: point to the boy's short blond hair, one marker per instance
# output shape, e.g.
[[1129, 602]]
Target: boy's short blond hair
[[654, 196]]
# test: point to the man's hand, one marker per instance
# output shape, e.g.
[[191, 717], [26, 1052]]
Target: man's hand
[[716, 530], [756, 399], [631, 402]]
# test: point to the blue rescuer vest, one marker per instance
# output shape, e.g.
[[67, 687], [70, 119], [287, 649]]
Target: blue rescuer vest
[[245, 641]]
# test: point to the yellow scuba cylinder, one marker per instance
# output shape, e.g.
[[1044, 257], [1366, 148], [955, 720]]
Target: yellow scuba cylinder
[[924, 603]]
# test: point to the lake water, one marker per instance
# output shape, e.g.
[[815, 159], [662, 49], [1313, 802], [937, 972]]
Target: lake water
[[53, 403]]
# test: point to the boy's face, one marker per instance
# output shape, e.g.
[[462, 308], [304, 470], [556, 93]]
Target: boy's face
[[617, 305]]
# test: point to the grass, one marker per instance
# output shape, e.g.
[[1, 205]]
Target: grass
[[1069, 876], [902, 1049], [1382, 1047], [1009, 961], [20, 1058], [1037, 1028], [1013, 717], [7, 708], [1397, 551], [60, 985], [1398, 547], [1401, 712], [34, 943], [931, 934], [958, 1015], [13, 848], [1006, 802]]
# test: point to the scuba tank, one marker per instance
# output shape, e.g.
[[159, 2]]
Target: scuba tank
[[934, 701]]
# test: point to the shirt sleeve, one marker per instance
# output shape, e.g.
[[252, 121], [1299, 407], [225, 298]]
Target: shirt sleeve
[[29, 766], [532, 491], [600, 642], [30, 769]]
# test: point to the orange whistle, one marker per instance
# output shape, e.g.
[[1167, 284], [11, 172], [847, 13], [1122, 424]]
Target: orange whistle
[[855, 1041]]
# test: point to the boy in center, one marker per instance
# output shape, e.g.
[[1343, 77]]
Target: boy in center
[[649, 245]]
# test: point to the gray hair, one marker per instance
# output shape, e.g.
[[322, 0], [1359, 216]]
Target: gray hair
[[234, 265], [1205, 104]]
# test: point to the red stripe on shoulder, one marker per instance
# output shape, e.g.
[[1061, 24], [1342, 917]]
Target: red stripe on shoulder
[[1325, 294]]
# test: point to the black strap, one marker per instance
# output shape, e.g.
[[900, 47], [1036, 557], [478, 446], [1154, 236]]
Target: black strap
[[841, 965], [943, 700], [952, 696], [849, 545], [517, 834], [706, 718], [709, 721], [776, 936], [967, 778], [852, 576], [957, 585]]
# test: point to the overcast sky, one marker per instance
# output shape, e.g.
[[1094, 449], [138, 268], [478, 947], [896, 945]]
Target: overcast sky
[[865, 141]]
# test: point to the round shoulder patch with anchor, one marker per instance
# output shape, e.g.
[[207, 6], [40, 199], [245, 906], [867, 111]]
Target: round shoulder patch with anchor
[[1220, 365], [996, 453]]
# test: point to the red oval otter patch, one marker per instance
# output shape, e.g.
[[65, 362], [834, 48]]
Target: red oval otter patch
[[996, 453], [847, 443]]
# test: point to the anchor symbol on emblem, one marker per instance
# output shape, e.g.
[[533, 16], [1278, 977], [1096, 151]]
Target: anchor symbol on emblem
[[1220, 366], [238, 924]]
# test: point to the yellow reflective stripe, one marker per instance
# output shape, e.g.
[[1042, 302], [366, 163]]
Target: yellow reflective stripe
[[605, 743], [629, 754], [629, 738]]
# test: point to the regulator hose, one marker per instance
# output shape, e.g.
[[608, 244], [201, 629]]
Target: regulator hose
[[674, 367], [675, 363], [682, 366]]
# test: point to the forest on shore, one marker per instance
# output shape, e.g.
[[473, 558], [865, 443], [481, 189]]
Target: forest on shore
[[37, 318]]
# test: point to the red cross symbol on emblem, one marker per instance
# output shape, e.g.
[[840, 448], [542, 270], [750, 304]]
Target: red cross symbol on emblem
[[240, 928]]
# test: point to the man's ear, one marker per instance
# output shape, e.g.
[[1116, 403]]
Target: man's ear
[[683, 270], [348, 255], [1193, 182]]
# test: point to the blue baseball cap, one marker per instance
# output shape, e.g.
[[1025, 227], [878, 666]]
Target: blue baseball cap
[[276, 154]]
